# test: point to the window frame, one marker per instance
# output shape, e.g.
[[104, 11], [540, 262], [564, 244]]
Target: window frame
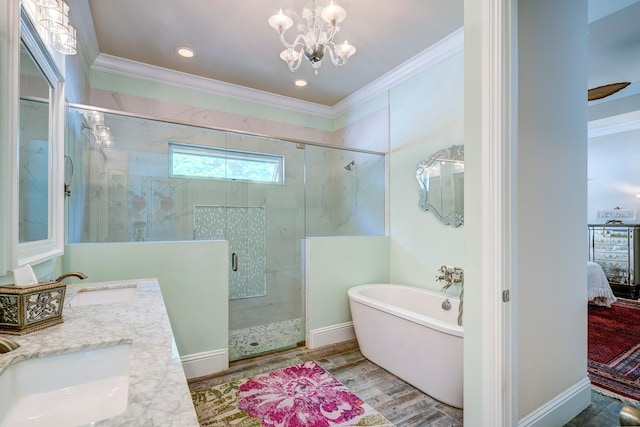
[[227, 154]]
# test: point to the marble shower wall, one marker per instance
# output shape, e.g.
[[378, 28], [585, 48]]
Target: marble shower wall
[[124, 193], [341, 201]]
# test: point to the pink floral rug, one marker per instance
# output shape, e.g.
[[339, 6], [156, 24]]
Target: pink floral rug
[[303, 395]]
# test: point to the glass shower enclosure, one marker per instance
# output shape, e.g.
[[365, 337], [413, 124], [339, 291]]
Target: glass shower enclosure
[[142, 179]]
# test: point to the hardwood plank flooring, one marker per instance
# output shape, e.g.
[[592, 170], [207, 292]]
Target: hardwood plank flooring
[[398, 401]]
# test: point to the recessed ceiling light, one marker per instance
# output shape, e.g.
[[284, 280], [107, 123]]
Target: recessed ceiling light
[[300, 83], [185, 52]]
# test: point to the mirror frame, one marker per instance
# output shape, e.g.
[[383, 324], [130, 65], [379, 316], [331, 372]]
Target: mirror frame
[[22, 30], [455, 153]]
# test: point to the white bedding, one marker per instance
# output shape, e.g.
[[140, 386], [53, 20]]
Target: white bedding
[[599, 290]]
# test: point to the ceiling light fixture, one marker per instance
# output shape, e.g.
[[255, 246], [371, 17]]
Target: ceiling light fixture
[[300, 83], [318, 27], [185, 52]]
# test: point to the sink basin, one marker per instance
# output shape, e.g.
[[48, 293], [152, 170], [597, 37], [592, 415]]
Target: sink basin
[[103, 296], [68, 389]]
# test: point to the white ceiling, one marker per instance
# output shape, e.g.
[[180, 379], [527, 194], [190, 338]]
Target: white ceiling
[[234, 43]]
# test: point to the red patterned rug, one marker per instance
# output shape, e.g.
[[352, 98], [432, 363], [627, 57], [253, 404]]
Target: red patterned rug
[[614, 347]]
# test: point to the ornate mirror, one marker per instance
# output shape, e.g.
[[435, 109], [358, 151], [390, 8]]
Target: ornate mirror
[[441, 185]]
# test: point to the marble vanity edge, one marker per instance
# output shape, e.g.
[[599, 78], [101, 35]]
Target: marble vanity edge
[[158, 390]]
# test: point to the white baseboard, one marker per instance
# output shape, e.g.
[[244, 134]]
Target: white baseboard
[[208, 362], [331, 335], [562, 408]]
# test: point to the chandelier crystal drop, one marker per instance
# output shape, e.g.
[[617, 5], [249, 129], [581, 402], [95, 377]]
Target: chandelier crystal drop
[[318, 27]]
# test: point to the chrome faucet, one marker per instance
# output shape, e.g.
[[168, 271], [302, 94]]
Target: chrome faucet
[[452, 275], [77, 274]]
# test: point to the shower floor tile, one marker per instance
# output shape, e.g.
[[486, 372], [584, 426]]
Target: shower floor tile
[[264, 338]]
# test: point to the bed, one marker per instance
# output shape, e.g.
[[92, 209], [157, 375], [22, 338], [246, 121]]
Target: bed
[[599, 290]]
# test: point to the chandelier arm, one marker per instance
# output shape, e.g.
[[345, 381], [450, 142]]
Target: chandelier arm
[[293, 67], [285, 43], [299, 41], [338, 61], [333, 29]]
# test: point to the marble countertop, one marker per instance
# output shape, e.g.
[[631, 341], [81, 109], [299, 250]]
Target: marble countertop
[[158, 391]]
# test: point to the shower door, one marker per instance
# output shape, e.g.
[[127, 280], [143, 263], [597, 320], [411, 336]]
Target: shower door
[[264, 227]]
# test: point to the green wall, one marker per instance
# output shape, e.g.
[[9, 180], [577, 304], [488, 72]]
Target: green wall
[[193, 277], [335, 264]]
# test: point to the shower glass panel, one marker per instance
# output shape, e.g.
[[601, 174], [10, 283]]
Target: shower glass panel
[[345, 192], [164, 181], [266, 226]]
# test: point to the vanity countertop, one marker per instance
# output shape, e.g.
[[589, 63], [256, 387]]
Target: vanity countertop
[[158, 391]]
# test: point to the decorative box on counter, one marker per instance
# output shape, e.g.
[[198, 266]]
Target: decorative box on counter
[[25, 309]]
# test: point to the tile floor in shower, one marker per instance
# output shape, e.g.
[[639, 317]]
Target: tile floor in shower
[[264, 338]]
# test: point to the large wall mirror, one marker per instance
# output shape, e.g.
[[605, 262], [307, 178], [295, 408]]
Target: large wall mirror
[[441, 185], [40, 136], [33, 151]]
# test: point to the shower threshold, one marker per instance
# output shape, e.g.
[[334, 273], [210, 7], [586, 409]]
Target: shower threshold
[[257, 340]]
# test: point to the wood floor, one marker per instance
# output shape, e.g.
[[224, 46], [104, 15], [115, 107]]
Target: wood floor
[[399, 402]]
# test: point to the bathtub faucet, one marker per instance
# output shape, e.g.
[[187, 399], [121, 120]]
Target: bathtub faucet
[[450, 275]]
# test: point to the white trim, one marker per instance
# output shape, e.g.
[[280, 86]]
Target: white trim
[[82, 20], [331, 335], [152, 73], [53, 246], [440, 51], [559, 410], [205, 363], [434, 54], [499, 212], [611, 129], [9, 118], [614, 124]]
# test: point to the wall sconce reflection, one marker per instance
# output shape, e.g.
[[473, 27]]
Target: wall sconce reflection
[[95, 123]]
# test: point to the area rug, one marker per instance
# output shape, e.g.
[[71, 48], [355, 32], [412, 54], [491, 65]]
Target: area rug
[[303, 395], [614, 347]]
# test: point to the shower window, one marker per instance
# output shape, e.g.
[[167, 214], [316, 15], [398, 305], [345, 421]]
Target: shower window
[[188, 161]]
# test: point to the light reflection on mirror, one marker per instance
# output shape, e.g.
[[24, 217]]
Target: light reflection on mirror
[[441, 185], [34, 152]]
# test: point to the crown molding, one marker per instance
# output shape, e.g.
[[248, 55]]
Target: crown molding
[[152, 73], [434, 54], [615, 124], [445, 48], [82, 19]]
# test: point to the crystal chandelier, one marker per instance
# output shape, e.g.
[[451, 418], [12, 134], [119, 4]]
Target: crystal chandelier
[[317, 28]]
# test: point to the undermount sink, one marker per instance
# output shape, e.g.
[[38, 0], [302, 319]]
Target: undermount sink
[[67, 389], [103, 296]]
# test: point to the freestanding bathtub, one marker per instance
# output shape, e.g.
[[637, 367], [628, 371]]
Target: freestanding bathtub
[[405, 330]]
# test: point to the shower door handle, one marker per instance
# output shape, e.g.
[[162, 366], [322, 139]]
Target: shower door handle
[[234, 261]]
